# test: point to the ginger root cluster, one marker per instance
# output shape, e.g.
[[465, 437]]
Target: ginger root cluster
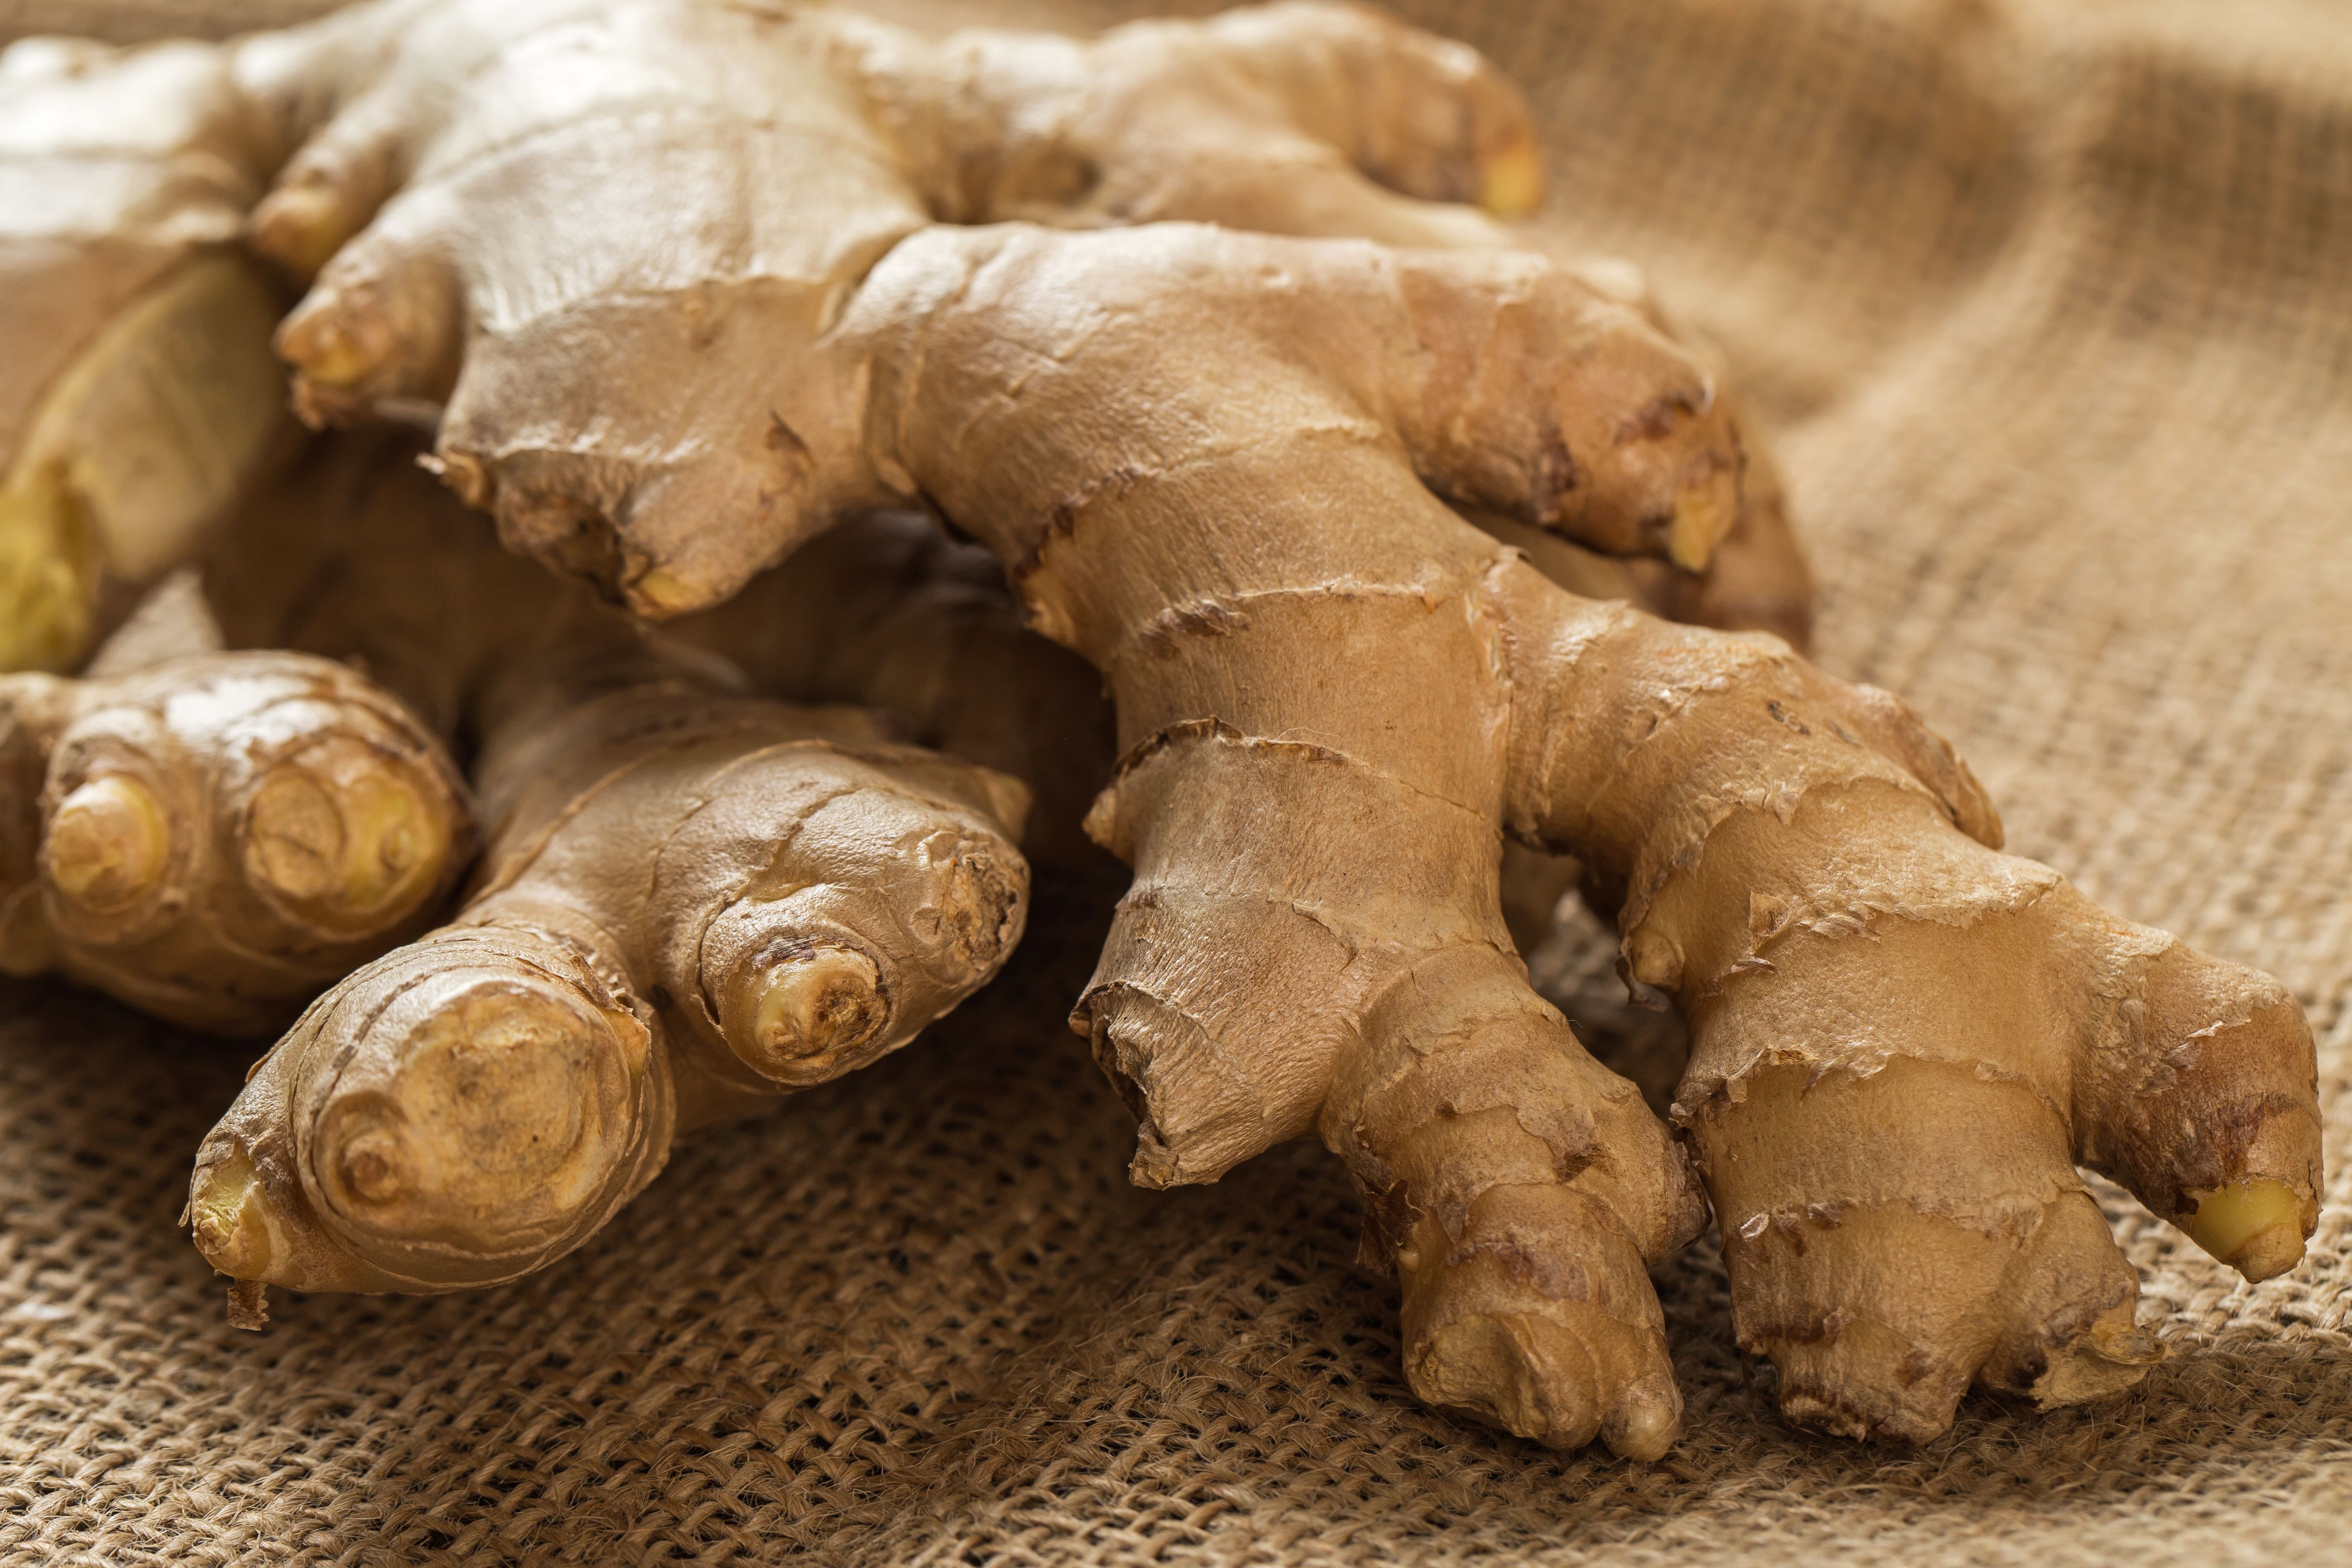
[[663, 757]]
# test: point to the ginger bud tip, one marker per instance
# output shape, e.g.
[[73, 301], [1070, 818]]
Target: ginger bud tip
[[1511, 181], [2254, 1225], [810, 1005], [231, 1218], [374, 1168], [343, 834], [1644, 1421], [333, 347], [1654, 959], [109, 843], [1704, 513], [300, 227], [661, 593]]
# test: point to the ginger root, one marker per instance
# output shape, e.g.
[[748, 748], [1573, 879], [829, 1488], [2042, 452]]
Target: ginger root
[[692, 902], [213, 837], [471, 1107], [1212, 465], [1222, 468], [141, 396], [1808, 870]]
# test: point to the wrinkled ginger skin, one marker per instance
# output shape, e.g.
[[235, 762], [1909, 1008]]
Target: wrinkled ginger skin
[[1217, 465], [214, 837], [692, 902], [1241, 550], [141, 396], [468, 1108], [1889, 1120]]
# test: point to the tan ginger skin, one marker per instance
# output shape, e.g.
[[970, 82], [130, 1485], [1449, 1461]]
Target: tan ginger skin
[[139, 397], [143, 402], [691, 902], [471, 1106], [215, 837], [1216, 465], [356, 555]]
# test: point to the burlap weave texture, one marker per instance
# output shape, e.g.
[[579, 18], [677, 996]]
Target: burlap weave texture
[[2051, 307]]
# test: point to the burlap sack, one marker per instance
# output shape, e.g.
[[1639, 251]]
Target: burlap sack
[[2051, 305]]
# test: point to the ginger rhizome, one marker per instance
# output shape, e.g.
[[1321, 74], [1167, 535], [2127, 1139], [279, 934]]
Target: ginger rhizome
[[134, 168], [1211, 463], [1268, 592], [1223, 468], [215, 837], [691, 902], [141, 396]]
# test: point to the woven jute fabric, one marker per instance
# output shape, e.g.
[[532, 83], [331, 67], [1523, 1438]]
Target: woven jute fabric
[[2051, 308]]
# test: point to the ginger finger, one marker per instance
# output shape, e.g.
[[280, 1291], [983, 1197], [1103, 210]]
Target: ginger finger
[[1902, 1041], [1313, 941], [692, 902], [470, 1107], [1296, 118], [1511, 1185], [1266, 118], [215, 837], [347, 100], [141, 396], [1497, 378], [441, 126]]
